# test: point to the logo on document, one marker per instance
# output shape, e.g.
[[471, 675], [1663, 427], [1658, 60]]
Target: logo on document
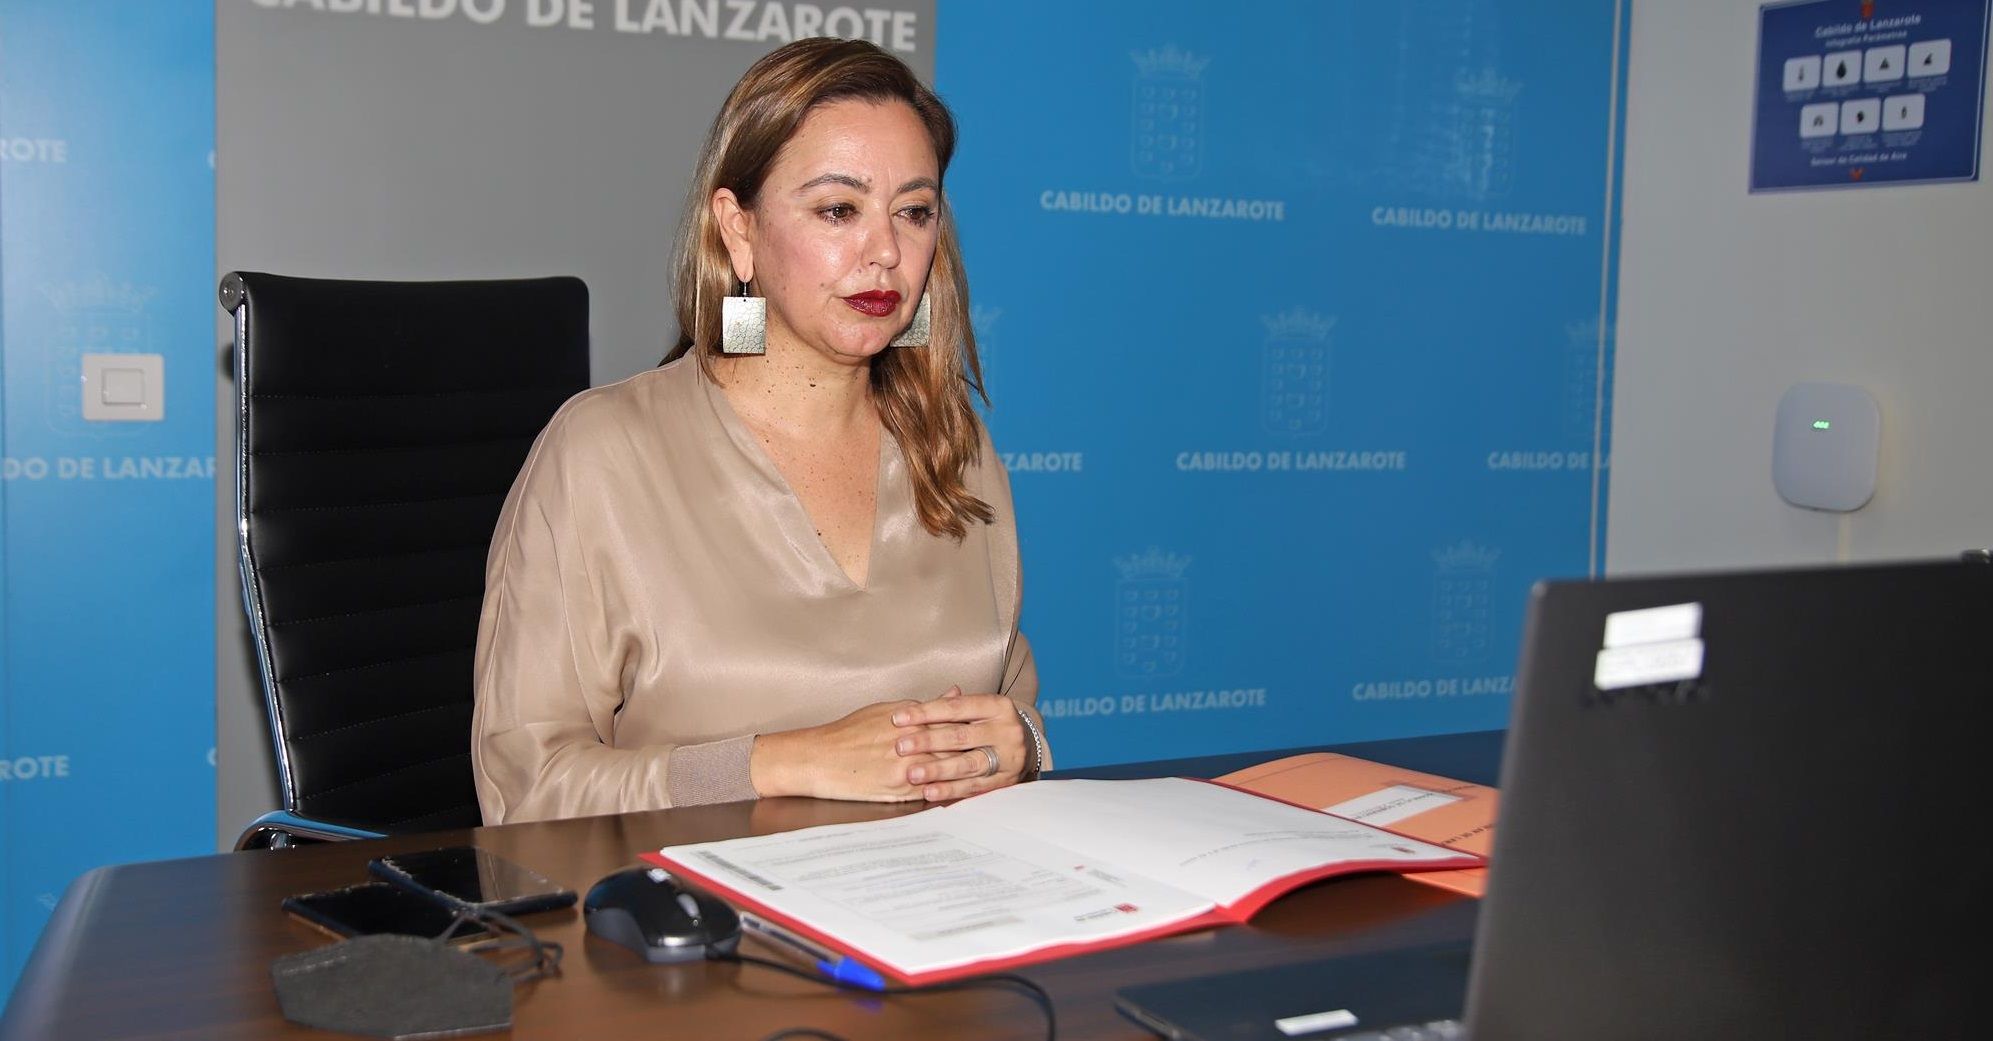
[[1150, 609], [1168, 130], [1462, 590], [1294, 372], [91, 317]]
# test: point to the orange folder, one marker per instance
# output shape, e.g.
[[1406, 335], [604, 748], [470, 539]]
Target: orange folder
[[1425, 806]]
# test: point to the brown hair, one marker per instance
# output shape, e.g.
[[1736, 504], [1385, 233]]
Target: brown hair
[[922, 393]]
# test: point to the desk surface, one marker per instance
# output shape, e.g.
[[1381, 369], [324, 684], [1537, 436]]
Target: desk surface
[[181, 948]]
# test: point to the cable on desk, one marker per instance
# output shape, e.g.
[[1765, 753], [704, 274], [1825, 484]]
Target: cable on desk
[[543, 956], [999, 981]]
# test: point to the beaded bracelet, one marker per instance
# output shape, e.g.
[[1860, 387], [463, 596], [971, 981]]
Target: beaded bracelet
[[1037, 750]]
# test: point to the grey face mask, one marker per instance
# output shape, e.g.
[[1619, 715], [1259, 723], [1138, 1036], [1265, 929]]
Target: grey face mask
[[392, 986]]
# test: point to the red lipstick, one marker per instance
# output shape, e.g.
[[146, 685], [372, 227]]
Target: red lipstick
[[876, 302]]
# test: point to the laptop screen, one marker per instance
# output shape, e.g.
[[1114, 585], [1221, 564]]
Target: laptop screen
[[1740, 805]]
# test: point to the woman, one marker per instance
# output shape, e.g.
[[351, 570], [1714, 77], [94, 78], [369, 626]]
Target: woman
[[791, 572]]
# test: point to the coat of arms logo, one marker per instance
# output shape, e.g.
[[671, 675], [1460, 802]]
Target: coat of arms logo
[[1168, 131], [1294, 372], [1463, 588], [1150, 603]]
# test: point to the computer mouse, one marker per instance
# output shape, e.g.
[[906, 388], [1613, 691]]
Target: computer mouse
[[659, 917]]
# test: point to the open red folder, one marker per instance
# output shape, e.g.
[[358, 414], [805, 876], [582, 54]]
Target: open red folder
[[1041, 871], [1451, 813]]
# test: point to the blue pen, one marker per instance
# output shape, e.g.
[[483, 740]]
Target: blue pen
[[830, 963]]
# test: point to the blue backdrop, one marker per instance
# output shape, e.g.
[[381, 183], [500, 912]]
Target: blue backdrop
[[106, 247], [1294, 317]]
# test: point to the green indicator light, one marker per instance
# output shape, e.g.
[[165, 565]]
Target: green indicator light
[[1821, 424]]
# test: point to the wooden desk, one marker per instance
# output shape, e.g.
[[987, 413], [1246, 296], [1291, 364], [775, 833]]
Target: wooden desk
[[181, 948]]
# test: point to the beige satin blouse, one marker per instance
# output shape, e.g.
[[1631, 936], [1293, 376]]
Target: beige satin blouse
[[656, 595]]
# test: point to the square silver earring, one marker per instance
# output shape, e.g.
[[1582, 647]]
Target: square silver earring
[[918, 332], [743, 324]]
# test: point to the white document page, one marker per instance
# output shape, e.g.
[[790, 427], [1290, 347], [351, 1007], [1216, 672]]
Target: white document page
[[1391, 804], [1204, 838], [933, 891], [1037, 865]]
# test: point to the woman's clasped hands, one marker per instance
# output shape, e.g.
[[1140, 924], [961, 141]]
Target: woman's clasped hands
[[960, 744], [899, 751]]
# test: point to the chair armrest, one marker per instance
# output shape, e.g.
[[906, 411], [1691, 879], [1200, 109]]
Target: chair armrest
[[280, 829]]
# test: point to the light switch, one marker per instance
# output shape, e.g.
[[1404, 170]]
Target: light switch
[[124, 387]]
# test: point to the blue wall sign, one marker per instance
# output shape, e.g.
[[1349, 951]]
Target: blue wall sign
[[1854, 93], [1296, 320], [106, 525]]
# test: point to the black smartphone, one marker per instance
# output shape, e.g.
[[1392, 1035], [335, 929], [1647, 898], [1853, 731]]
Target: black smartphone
[[468, 876], [377, 907]]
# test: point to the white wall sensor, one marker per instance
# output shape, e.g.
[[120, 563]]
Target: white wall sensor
[[1825, 446]]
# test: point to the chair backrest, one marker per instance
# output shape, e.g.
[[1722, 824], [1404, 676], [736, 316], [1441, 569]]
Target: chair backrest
[[379, 427]]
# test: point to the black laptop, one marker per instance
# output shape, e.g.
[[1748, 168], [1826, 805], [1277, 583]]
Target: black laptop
[[1738, 805]]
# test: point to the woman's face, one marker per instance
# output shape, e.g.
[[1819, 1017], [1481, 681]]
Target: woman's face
[[842, 236]]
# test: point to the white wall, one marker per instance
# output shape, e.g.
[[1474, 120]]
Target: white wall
[[1727, 298]]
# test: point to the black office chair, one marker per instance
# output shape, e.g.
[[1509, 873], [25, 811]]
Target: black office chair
[[378, 428]]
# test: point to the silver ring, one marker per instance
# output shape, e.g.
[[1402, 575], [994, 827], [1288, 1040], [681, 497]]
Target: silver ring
[[990, 754]]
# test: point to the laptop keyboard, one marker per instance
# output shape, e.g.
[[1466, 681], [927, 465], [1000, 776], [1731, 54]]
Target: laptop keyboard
[[1437, 1030]]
